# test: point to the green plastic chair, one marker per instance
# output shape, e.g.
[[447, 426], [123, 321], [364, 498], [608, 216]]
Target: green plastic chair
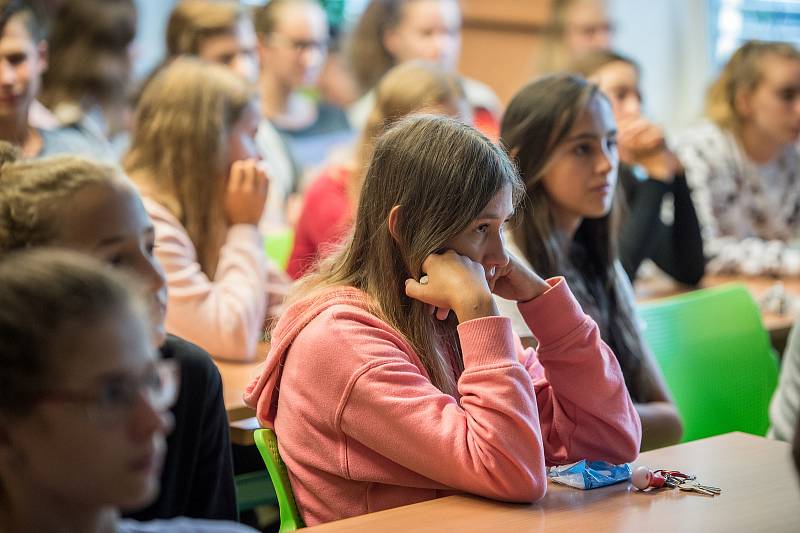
[[716, 357], [267, 444], [278, 246]]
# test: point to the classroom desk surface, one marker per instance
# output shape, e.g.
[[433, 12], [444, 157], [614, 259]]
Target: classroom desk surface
[[235, 377], [760, 493], [777, 324]]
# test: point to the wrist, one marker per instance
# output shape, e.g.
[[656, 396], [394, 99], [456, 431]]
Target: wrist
[[478, 306], [537, 288]]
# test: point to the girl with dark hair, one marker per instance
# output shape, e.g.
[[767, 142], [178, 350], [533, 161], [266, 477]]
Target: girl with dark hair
[[392, 380], [649, 173], [561, 131]]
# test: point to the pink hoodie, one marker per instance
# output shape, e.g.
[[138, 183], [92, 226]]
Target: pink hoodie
[[361, 428]]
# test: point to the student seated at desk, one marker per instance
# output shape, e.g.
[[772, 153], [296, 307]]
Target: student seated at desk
[[193, 157], [648, 173], [561, 131], [744, 163], [293, 44], [23, 56], [392, 31], [85, 399], [330, 201], [89, 207], [391, 378]]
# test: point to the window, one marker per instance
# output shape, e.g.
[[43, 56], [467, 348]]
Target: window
[[735, 21]]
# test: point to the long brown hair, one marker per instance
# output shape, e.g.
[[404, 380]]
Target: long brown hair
[[742, 72], [538, 119], [442, 174], [411, 87], [179, 148]]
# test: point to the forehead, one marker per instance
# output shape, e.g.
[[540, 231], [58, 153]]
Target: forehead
[[102, 211], [587, 13], [15, 35], [118, 343], [596, 118], [778, 70], [501, 205], [432, 13], [615, 74], [300, 19]]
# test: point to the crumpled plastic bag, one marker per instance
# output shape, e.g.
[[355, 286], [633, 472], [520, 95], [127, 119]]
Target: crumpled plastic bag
[[589, 474]]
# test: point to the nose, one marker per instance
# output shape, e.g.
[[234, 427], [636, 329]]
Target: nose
[[146, 420], [7, 73], [606, 160], [152, 274], [632, 107], [496, 255]]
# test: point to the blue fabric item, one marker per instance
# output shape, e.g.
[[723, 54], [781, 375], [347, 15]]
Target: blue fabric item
[[589, 474]]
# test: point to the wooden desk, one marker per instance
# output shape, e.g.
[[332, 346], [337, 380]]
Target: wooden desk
[[760, 493], [778, 325], [235, 378]]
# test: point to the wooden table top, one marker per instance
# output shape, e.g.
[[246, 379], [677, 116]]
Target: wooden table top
[[235, 378], [760, 493]]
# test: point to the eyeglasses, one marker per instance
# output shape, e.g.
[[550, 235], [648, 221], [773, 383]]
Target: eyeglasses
[[300, 46], [116, 398]]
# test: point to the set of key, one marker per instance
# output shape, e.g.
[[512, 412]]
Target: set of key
[[644, 479], [686, 483]]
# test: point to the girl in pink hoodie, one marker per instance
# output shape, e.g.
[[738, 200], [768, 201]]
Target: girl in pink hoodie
[[391, 378]]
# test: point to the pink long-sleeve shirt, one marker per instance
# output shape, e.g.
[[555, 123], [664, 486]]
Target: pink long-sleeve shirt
[[361, 427], [224, 315]]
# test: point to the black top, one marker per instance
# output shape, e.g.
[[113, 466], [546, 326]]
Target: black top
[[677, 249], [197, 480]]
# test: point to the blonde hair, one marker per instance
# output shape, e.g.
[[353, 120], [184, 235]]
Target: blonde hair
[[179, 147], [442, 174], [194, 21], [742, 72], [33, 191], [411, 87]]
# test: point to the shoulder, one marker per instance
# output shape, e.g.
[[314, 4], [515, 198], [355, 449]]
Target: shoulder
[[194, 361], [75, 139], [705, 137], [479, 94], [331, 118], [354, 334]]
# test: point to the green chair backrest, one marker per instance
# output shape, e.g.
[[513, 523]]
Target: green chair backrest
[[278, 246], [267, 444], [716, 358]]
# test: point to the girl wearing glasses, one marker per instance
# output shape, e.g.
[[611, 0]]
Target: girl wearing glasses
[[293, 46], [89, 207], [84, 408]]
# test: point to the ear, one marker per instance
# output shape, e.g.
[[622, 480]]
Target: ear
[[741, 102], [262, 50], [391, 41], [394, 215], [43, 56]]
